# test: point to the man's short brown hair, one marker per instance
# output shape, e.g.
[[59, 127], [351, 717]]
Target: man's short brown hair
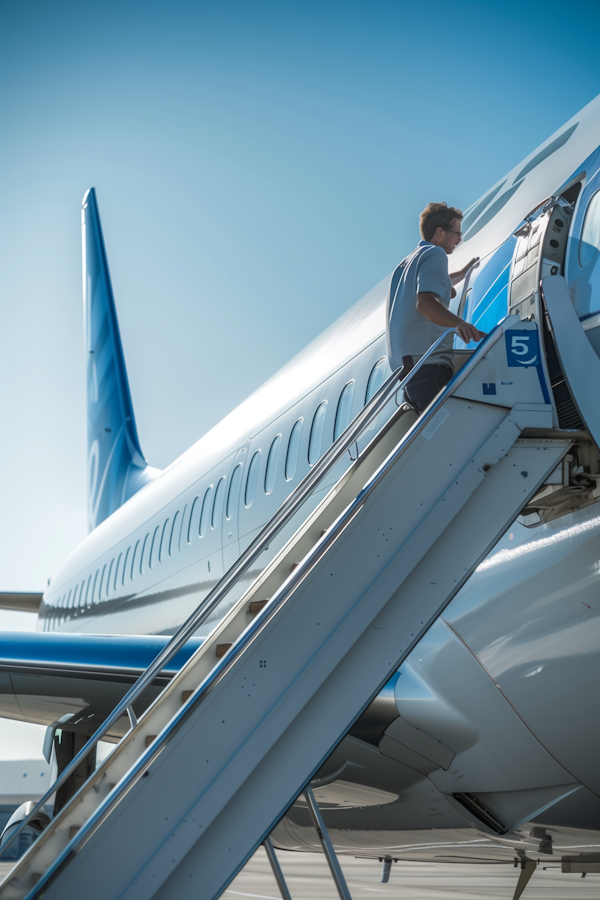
[[437, 215]]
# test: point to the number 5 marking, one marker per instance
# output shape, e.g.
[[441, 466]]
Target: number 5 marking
[[520, 345]]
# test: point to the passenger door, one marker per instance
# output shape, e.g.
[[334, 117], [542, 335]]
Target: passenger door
[[583, 265]]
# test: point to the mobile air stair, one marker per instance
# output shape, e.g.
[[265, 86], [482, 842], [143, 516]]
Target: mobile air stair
[[199, 782]]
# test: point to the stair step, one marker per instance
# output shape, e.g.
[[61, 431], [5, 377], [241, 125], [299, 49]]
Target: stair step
[[257, 605]]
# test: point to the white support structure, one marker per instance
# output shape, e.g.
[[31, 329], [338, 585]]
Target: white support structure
[[200, 781]]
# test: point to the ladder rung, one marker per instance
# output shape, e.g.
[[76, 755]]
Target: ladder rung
[[222, 650]]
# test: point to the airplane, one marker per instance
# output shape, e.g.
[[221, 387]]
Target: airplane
[[481, 748]]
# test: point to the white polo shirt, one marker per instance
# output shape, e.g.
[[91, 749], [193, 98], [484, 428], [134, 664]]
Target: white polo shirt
[[408, 332]]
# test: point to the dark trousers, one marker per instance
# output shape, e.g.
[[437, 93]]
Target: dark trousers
[[426, 385]]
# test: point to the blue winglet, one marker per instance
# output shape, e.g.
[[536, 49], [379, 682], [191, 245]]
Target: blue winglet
[[116, 467]]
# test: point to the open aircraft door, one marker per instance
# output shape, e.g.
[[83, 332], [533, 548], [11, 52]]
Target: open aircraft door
[[538, 266]]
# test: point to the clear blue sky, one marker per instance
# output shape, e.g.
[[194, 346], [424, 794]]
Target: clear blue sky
[[259, 166]]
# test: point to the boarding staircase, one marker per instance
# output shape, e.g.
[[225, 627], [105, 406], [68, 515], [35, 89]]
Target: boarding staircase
[[199, 782]]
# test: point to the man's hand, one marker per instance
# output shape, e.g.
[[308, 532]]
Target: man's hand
[[430, 307], [468, 332], [455, 277]]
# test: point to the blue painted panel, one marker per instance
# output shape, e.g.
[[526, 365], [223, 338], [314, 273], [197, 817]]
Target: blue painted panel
[[121, 652], [487, 303]]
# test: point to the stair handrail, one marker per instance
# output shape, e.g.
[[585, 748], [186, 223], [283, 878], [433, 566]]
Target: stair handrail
[[270, 530]]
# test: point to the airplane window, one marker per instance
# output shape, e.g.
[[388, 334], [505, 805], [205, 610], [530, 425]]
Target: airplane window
[[316, 433], [375, 378], [91, 601], [272, 461], [153, 548], [143, 553], [252, 479], [589, 245], [87, 593], [192, 511], [117, 571], [107, 584], [175, 518], [135, 550], [125, 561], [217, 509], [163, 546], [68, 603], [99, 597], [293, 450], [205, 514], [234, 491], [344, 410]]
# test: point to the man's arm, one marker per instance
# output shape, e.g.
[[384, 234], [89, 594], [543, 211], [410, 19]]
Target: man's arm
[[430, 307], [455, 277]]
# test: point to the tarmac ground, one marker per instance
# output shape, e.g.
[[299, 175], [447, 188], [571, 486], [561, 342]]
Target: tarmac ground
[[308, 878]]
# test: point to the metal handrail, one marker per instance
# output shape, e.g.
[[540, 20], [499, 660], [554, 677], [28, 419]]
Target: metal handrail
[[269, 531]]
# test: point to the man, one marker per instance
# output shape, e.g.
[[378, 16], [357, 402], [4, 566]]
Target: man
[[417, 307]]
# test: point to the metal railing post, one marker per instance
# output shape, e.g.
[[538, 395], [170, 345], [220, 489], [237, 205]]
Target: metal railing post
[[276, 869], [328, 849]]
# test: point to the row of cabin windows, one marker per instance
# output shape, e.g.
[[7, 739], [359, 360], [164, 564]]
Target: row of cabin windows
[[165, 540], [106, 581], [315, 443]]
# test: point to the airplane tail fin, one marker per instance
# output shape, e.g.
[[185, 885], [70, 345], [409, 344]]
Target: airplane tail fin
[[116, 466]]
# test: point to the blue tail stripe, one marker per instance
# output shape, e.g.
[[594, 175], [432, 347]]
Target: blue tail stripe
[[116, 465]]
